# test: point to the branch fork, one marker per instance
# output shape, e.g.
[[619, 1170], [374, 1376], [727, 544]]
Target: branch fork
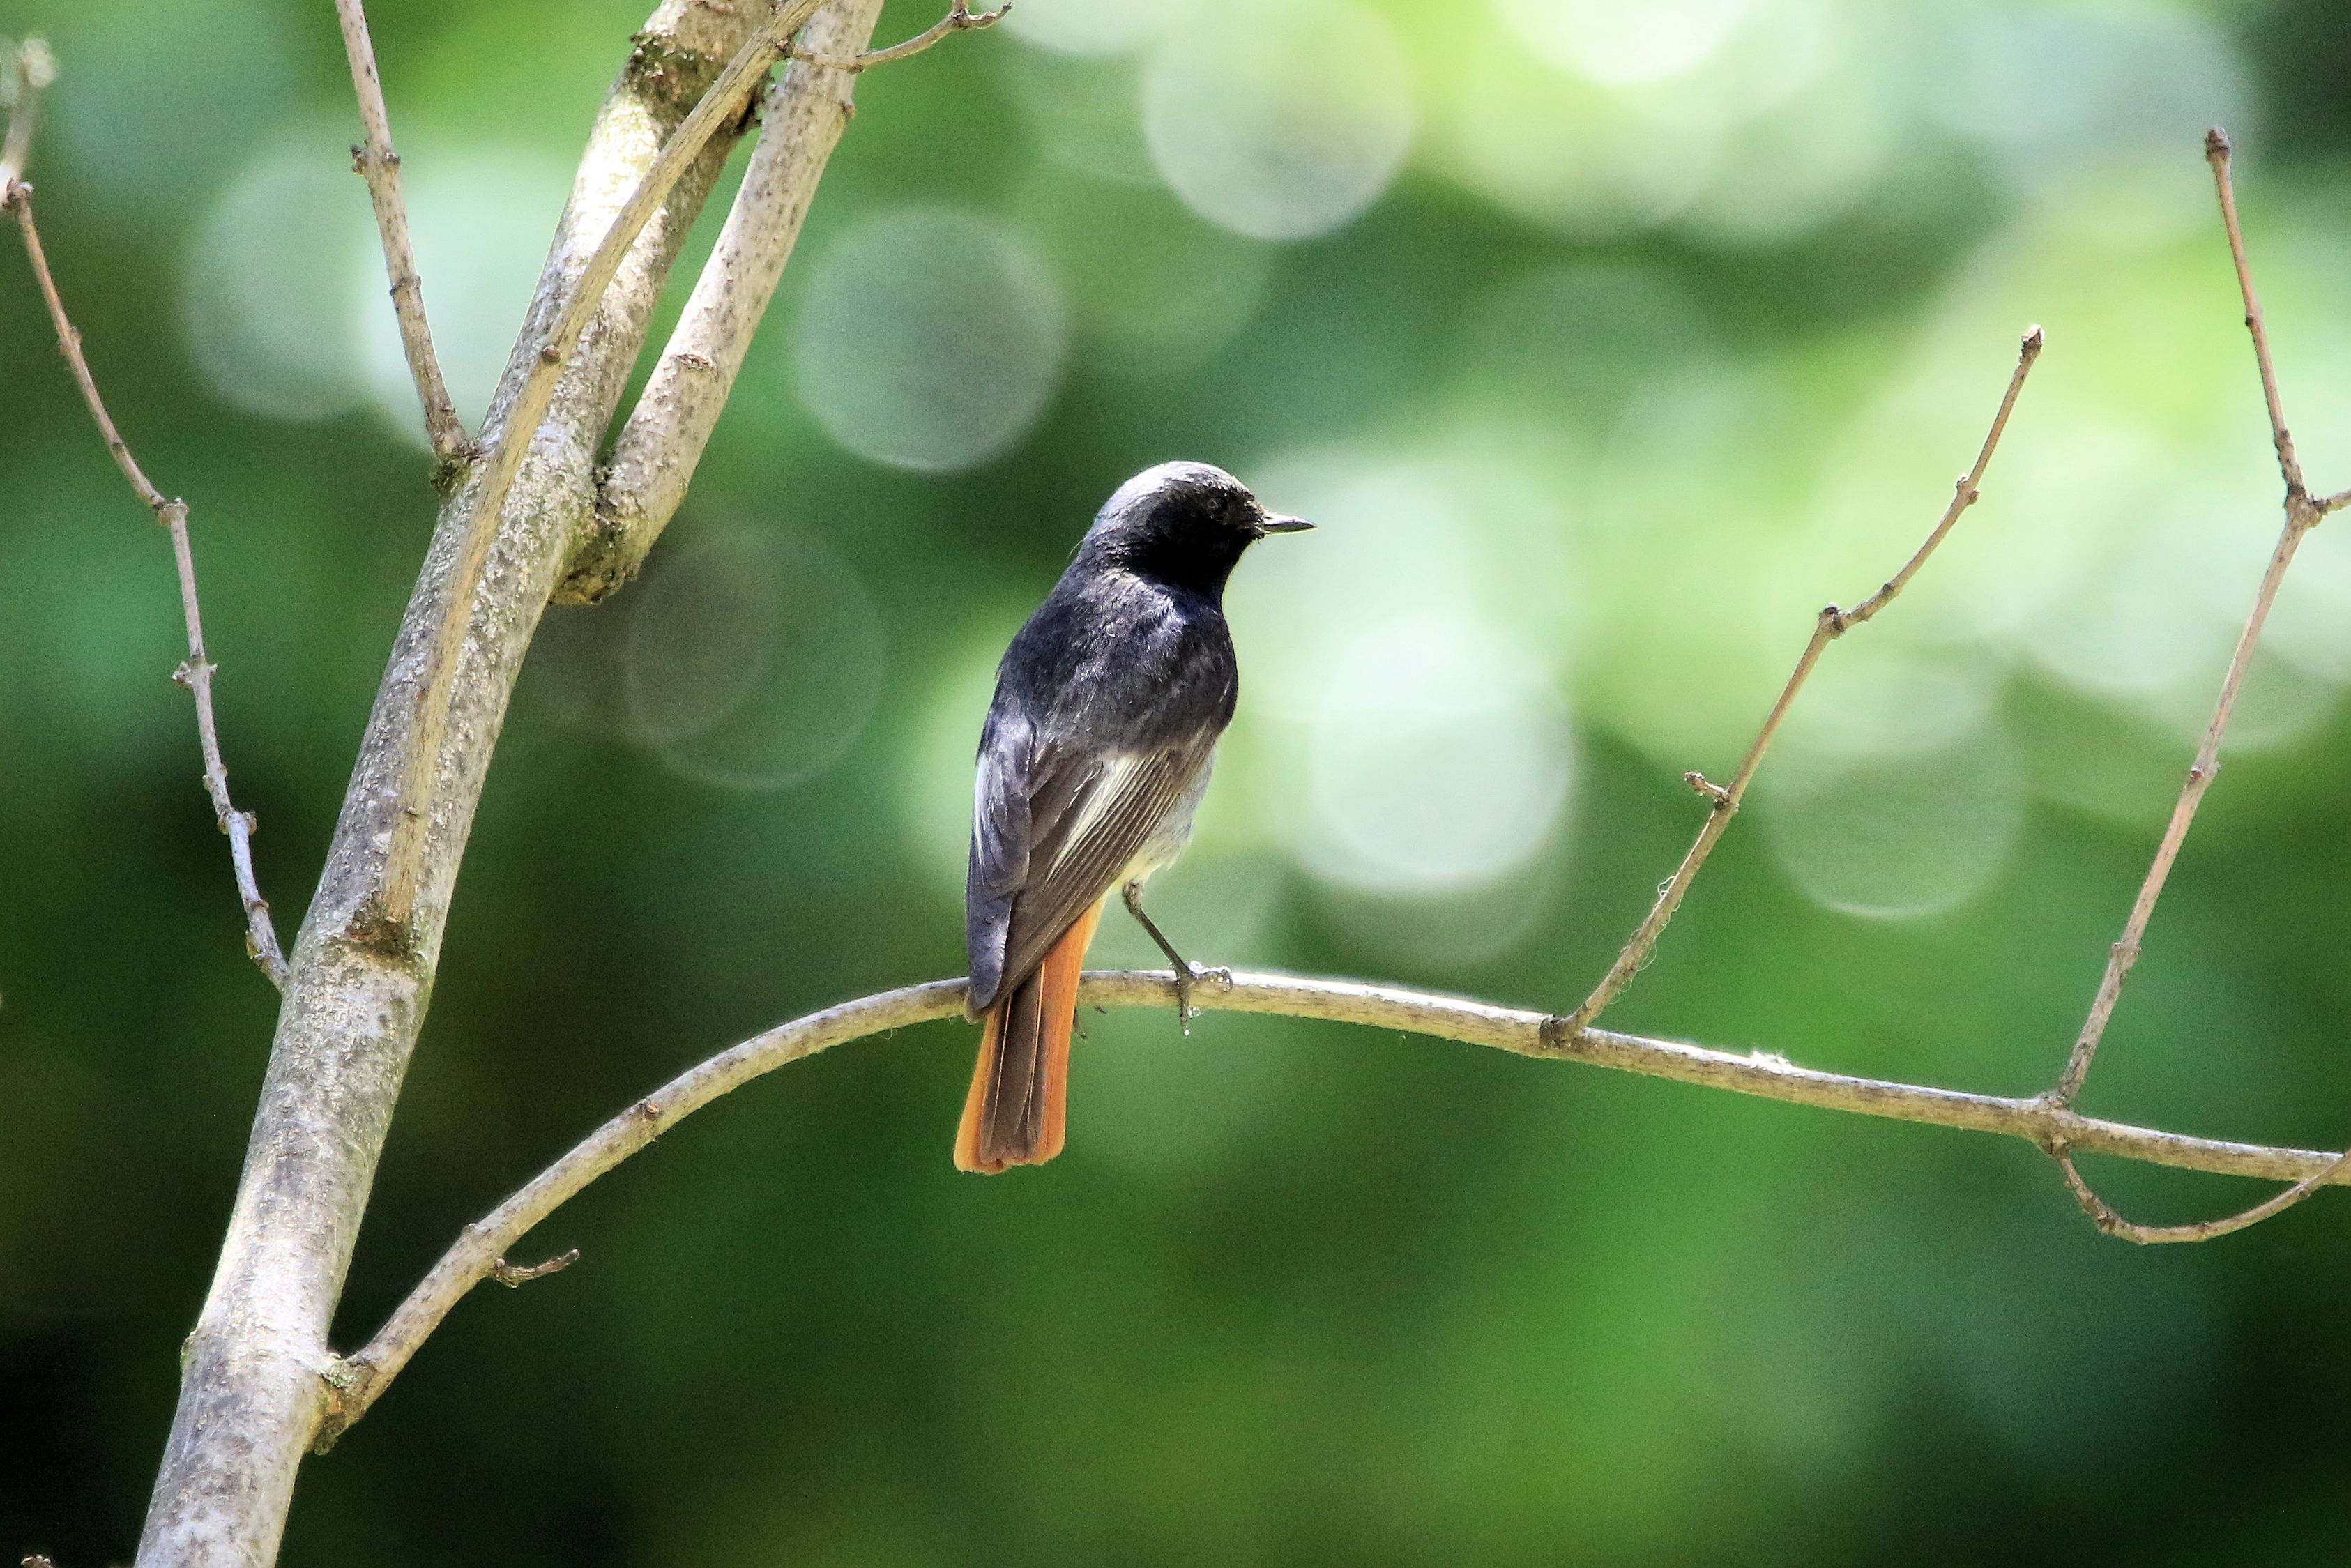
[[257, 1369], [1723, 799], [356, 1381], [2303, 513]]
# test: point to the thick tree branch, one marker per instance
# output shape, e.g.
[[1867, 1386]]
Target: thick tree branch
[[1723, 799], [379, 164], [389, 917], [32, 70], [479, 1251], [801, 119], [251, 1389]]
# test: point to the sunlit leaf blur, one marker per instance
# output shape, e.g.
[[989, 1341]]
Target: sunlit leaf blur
[[1606, 342]]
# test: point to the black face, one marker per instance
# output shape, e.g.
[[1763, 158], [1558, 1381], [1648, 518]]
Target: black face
[[1184, 523]]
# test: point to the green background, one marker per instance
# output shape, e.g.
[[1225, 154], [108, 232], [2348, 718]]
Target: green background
[[1632, 364]]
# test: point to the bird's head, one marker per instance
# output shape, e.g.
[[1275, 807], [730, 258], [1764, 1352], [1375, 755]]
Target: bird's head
[[1182, 523]]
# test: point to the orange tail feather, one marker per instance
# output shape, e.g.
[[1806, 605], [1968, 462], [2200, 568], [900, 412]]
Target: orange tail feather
[[1019, 1101]]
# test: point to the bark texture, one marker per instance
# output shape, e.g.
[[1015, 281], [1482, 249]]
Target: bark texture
[[253, 1385], [653, 458]]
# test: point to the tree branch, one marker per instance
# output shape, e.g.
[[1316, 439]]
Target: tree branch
[[654, 459], [2114, 1224], [960, 17], [1723, 799], [251, 1392], [376, 160], [33, 69], [389, 918], [361, 1379], [2301, 515]]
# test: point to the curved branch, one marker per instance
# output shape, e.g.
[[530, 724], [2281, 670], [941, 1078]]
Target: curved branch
[[2105, 1217], [479, 1252]]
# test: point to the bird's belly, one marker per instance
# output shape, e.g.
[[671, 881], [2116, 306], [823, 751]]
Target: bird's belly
[[1173, 830]]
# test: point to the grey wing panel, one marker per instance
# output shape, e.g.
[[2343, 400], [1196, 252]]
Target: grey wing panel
[[1001, 816], [1104, 812]]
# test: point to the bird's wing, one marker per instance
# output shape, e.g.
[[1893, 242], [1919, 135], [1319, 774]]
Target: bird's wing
[[1053, 827], [999, 846]]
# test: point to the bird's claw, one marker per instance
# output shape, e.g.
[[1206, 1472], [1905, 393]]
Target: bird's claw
[[1187, 978]]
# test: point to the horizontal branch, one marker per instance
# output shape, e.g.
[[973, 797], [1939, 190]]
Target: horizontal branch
[[480, 1252]]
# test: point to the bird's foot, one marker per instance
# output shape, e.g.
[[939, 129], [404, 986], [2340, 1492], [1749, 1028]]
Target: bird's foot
[[1188, 976]]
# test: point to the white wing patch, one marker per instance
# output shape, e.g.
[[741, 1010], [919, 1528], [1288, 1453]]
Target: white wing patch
[[1106, 792]]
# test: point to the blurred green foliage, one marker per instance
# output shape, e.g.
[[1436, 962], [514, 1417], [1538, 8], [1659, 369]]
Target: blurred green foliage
[[1607, 343]]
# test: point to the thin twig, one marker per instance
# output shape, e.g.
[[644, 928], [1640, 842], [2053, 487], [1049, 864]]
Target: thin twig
[[2216, 153], [389, 920], [196, 672], [2302, 514], [2106, 1219], [514, 1276], [960, 17], [376, 160], [358, 1379], [1723, 799]]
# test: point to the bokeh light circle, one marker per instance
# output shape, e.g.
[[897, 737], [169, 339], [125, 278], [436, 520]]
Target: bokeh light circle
[[1151, 288], [1400, 694], [753, 660], [479, 219], [1438, 761], [1895, 832], [929, 339], [267, 317], [1279, 120], [1083, 113], [1610, 42], [1089, 27]]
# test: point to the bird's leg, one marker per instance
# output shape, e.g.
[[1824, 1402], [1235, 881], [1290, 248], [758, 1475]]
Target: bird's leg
[[1186, 972]]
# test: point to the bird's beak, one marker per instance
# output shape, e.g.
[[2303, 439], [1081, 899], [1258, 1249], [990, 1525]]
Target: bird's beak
[[1275, 522]]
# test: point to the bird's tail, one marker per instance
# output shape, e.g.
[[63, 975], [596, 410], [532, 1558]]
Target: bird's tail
[[1019, 1093]]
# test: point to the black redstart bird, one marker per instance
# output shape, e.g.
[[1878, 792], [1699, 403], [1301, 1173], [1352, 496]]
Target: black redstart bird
[[1096, 751]]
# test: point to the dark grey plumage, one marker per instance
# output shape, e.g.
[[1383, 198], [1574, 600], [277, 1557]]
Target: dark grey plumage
[[1108, 707]]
